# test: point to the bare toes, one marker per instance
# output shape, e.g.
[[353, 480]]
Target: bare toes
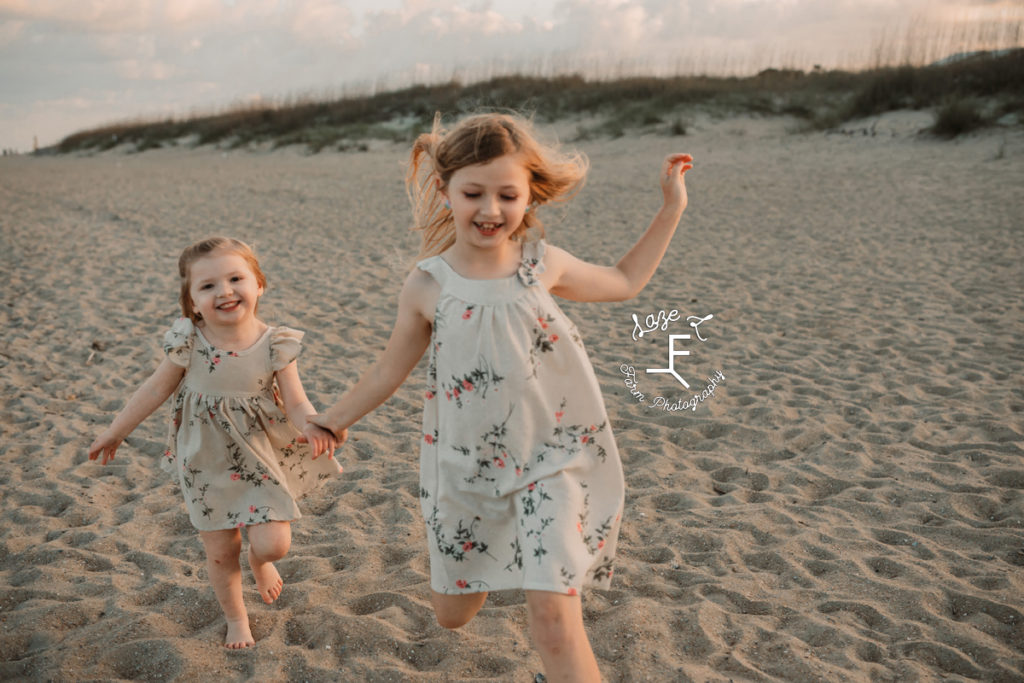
[[238, 636]]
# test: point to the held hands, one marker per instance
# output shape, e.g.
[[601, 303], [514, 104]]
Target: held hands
[[319, 439], [105, 444], [323, 420], [673, 184]]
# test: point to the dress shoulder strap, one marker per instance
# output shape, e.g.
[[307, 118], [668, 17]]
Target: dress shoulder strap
[[532, 264], [438, 269]]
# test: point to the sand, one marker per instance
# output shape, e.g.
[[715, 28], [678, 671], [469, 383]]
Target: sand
[[848, 505]]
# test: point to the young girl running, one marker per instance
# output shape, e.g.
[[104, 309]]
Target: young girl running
[[521, 484], [233, 447]]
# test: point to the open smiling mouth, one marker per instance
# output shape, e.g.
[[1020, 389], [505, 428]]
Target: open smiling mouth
[[230, 306], [488, 229]]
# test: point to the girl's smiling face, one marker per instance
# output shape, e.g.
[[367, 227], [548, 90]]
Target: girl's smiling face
[[224, 289], [488, 200]]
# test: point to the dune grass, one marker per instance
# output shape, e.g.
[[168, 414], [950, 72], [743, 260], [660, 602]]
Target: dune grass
[[965, 94]]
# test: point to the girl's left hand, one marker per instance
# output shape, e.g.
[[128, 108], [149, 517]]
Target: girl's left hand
[[673, 184], [319, 439]]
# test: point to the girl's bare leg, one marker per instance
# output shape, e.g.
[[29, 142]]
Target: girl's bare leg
[[453, 611], [268, 542], [223, 548], [556, 625]]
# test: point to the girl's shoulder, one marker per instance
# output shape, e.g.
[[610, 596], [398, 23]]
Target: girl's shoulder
[[285, 345], [552, 264], [179, 340], [422, 287]]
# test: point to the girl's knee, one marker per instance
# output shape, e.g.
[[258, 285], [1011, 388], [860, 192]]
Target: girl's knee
[[452, 620], [455, 611], [271, 541], [554, 620], [222, 547], [270, 550]]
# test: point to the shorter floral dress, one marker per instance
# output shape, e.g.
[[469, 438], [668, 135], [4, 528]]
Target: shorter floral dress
[[231, 447], [520, 480]]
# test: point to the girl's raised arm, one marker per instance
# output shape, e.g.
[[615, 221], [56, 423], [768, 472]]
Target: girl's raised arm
[[578, 280], [147, 398], [409, 339]]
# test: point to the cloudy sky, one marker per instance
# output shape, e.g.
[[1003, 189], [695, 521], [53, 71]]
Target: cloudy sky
[[67, 65]]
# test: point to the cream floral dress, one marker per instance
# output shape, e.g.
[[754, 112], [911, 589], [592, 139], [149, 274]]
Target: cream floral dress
[[231, 447], [521, 484]]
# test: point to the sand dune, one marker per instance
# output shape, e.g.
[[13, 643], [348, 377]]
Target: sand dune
[[847, 505]]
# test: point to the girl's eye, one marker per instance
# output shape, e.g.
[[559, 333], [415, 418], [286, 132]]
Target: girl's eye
[[236, 278], [206, 286], [471, 195], [509, 199]]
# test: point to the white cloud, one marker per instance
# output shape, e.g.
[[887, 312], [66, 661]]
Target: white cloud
[[175, 55], [135, 70], [93, 15], [323, 20]]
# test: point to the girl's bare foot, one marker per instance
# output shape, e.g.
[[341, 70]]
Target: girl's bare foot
[[239, 636], [268, 581]]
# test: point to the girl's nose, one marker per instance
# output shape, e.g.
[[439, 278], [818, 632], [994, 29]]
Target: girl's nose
[[491, 207]]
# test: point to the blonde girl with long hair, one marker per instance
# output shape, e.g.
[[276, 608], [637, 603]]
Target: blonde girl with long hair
[[521, 486]]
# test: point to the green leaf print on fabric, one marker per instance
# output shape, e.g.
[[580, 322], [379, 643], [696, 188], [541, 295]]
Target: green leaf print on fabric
[[542, 341], [493, 453], [478, 381], [256, 476], [213, 356], [464, 539], [534, 497]]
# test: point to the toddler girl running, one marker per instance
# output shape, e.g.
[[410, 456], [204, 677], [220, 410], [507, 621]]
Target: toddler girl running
[[520, 480], [233, 447]]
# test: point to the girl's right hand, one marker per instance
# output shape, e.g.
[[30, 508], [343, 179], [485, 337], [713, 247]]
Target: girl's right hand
[[105, 444], [323, 421], [321, 439], [673, 183]]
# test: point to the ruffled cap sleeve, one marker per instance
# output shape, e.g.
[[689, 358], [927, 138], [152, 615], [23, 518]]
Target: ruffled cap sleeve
[[178, 342], [285, 346]]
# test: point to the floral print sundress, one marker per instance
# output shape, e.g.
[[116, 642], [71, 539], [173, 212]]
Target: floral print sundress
[[231, 447], [520, 480]]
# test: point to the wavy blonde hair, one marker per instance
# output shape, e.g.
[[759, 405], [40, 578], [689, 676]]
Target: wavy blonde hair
[[198, 250], [478, 139]]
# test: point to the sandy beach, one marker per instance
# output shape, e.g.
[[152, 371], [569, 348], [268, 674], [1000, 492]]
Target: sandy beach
[[846, 505]]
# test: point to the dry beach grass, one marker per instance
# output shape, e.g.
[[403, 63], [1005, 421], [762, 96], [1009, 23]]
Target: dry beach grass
[[849, 505]]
